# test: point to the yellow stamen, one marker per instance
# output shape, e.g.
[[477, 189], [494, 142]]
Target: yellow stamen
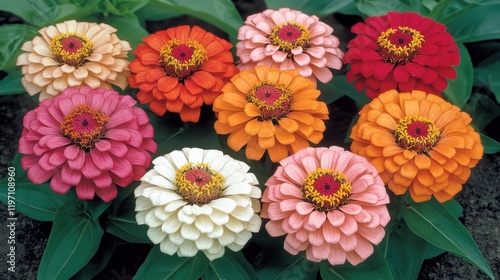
[[199, 193], [326, 189], [416, 133], [69, 55]]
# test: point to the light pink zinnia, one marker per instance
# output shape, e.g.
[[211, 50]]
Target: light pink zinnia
[[90, 139], [289, 39], [329, 202]]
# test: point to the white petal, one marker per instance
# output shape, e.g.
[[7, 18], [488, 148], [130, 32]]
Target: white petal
[[167, 247], [234, 247], [166, 170], [156, 235], [226, 238], [224, 204], [174, 205], [242, 237], [203, 210], [216, 251], [210, 155], [218, 163], [204, 242], [171, 225], [240, 188], [240, 200], [162, 198], [178, 158], [140, 217], [217, 232], [234, 225], [176, 238], [190, 232], [161, 214], [204, 224], [184, 218], [255, 223], [187, 249], [255, 193], [194, 154], [142, 203], [234, 178], [151, 220], [244, 214], [162, 182], [219, 217]]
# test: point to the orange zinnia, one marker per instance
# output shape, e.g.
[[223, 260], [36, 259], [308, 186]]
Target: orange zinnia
[[417, 141], [180, 69], [269, 109]]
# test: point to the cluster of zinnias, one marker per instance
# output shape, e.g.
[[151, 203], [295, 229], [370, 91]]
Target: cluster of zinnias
[[198, 199], [73, 54], [328, 202], [402, 51], [91, 139], [417, 141]]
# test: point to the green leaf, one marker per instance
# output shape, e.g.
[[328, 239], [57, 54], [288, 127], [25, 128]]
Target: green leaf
[[282, 265], [478, 24], [459, 90], [128, 30], [448, 10], [162, 266], [380, 7], [374, 267], [232, 265], [38, 202], [404, 251], [322, 8], [431, 221], [490, 145], [73, 241], [43, 13], [11, 41], [482, 110], [99, 260], [124, 225], [486, 74], [220, 13], [11, 84], [339, 87]]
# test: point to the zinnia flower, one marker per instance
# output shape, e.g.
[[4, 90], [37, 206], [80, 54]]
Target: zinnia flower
[[270, 110], [402, 51], [73, 54], [90, 139], [180, 69], [328, 202], [198, 199], [417, 141], [289, 39]]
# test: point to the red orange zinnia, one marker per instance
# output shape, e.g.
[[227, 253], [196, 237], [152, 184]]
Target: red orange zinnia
[[271, 110], [180, 69], [92, 140], [402, 51], [417, 141], [328, 202]]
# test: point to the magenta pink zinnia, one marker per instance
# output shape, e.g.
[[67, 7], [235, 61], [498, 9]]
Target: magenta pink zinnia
[[328, 202], [91, 139]]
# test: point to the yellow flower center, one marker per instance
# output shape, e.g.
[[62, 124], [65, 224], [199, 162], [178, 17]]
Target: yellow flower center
[[274, 101], [416, 133], [198, 183], [400, 45], [290, 35], [84, 126], [71, 48], [326, 189], [182, 60]]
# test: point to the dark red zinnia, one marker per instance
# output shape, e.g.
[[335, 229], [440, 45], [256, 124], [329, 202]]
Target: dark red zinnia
[[402, 51]]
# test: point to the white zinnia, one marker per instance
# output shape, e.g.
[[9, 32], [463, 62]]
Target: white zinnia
[[198, 199]]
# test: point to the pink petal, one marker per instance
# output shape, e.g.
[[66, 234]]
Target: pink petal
[[37, 175], [351, 209], [354, 258], [119, 117], [71, 151], [107, 194], [348, 243], [275, 212], [118, 149], [288, 204], [316, 238], [290, 190], [336, 218], [309, 163], [274, 228], [337, 255], [316, 219], [122, 168], [350, 226], [70, 176], [101, 159], [57, 157], [85, 190], [296, 221], [374, 235], [57, 184], [137, 157], [321, 252], [295, 173], [304, 208], [77, 163], [89, 169], [103, 145], [330, 233], [103, 180], [118, 134]]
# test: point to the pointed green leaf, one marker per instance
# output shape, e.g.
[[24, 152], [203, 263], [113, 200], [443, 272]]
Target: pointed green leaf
[[490, 145], [486, 74], [38, 202], [73, 241], [282, 265], [431, 221], [123, 224], [374, 267], [162, 266], [459, 90], [232, 265], [99, 260], [11, 41], [220, 13], [11, 84], [380, 7], [478, 24]]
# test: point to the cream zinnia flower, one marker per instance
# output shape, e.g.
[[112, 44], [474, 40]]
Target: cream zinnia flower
[[198, 199], [73, 54]]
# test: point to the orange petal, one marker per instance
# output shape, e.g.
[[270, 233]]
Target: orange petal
[[283, 136], [252, 110], [425, 178], [158, 107], [315, 137], [267, 130], [419, 198], [301, 117], [234, 98], [420, 189], [385, 120], [409, 170], [193, 87], [422, 161], [382, 140], [175, 105], [397, 189], [238, 118], [204, 79], [445, 150], [299, 143], [442, 196], [453, 187], [273, 75], [167, 83], [289, 124], [252, 127], [253, 150], [190, 114], [238, 139], [277, 152]]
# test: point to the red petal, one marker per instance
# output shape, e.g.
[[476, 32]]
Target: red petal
[[400, 74]]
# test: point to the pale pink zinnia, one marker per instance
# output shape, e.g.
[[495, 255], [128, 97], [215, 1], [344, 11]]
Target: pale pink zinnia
[[289, 39], [93, 139], [328, 202]]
